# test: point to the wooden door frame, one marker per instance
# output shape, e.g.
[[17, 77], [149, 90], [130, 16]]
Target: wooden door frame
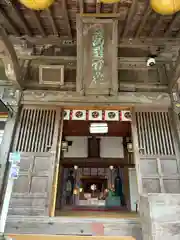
[[58, 149], [57, 152]]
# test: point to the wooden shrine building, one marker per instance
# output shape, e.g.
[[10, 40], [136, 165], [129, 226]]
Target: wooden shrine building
[[92, 94]]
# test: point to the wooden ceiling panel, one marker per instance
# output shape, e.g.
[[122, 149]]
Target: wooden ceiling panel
[[136, 18], [81, 128]]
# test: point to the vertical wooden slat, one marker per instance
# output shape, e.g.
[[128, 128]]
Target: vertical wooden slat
[[159, 141], [161, 133], [27, 112], [28, 130], [149, 136], [140, 120], [19, 129], [166, 138], [44, 136], [52, 122], [31, 133], [139, 132], [147, 143], [151, 129], [154, 133], [171, 146], [48, 129], [40, 140], [36, 129]]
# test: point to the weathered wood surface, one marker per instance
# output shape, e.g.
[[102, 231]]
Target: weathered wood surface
[[10, 60], [157, 160], [161, 220], [73, 226], [75, 99], [31, 191]]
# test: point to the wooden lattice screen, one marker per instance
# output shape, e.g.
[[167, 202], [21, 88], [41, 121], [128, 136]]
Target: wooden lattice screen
[[159, 166], [35, 130], [154, 133]]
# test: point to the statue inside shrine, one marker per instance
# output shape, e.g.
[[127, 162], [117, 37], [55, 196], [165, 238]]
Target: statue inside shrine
[[69, 188], [119, 188]]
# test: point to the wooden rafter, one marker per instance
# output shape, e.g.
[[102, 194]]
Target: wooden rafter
[[66, 17], [156, 26], [51, 19], [21, 18], [130, 17], [10, 60], [168, 31], [35, 16], [143, 21], [9, 22]]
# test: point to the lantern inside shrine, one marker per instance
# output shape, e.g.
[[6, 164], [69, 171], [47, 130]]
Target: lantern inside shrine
[[165, 7], [37, 4]]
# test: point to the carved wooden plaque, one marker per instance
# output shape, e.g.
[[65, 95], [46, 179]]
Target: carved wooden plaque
[[97, 56]]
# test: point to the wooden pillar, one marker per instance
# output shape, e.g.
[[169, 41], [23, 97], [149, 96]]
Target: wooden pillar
[[57, 149], [9, 131], [136, 151]]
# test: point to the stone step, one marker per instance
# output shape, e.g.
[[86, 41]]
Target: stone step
[[74, 226]]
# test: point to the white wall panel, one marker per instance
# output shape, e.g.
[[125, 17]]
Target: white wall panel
[[79, 148], [111, 147]]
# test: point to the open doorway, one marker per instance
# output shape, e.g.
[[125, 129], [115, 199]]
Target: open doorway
[[95, 171]]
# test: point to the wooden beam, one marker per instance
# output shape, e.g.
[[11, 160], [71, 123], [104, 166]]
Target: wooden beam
[[143, 21], [121, 60], [20, 17], [51, 19], [35, 16], [10, 60], [123, 86], [8, 21], [100, 15], [127, 99], [29, 84], [156, 26], [66, 16], [168, 30], [129, 18], [125, 42]]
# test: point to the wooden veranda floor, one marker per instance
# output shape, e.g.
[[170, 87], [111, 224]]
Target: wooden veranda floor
[[96, 214]]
